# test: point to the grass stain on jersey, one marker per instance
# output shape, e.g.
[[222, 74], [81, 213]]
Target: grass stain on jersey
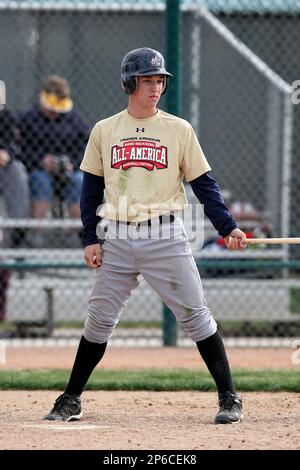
[[148, 179], [123, 181], [148, 185]]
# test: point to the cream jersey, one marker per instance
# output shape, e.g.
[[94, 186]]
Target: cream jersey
[[143, 162]]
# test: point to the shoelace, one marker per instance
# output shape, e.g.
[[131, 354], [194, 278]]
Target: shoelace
[[228, 401], [60, 402]]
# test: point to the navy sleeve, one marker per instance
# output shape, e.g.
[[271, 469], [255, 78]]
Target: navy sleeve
[[31, 142], [8, 132], [81, 133], [92, 194], [208, 192]]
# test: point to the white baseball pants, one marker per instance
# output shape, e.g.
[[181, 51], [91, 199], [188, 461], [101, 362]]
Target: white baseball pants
[[162, 255]]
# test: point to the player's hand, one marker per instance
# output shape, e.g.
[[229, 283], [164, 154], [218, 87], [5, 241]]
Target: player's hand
[[93, 255], [236, 240], [4, 157]]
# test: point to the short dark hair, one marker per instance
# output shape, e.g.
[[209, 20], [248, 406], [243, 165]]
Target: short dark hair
[[57, 85]]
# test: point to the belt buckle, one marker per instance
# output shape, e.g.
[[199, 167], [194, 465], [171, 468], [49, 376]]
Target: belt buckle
[[136, 224], [133, 223], [166, 218], [142, 223]]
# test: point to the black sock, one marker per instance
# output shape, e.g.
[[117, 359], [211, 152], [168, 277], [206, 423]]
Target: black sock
[[87, 357], [213, 353]]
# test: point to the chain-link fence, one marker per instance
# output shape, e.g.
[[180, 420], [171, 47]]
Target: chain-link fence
[[239, 59]]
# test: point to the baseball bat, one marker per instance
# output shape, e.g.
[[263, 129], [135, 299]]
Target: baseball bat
[[274, 241]]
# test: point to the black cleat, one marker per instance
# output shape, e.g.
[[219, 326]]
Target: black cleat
[[66, 408], [231, 409]]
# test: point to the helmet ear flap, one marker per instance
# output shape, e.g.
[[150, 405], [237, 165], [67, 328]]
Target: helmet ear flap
[[166, 83], [130, 86]]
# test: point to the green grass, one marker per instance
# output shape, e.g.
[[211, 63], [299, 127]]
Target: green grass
[[152, 379], [227, 327]]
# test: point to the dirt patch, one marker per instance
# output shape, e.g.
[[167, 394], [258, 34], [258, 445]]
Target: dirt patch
[[142, 358], [150, 420]]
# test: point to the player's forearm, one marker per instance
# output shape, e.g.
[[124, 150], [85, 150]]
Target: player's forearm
[[208, 192], [92, 193]]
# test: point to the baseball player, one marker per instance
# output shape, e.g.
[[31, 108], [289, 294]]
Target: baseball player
[[140, 156]]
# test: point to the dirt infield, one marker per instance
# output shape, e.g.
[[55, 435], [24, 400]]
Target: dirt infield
[[142, 358], [150, 420]]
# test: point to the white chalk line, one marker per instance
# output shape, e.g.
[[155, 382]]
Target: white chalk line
[[65, 427]]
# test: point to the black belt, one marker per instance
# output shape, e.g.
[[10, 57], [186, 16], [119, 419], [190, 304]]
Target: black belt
[[162, 218]]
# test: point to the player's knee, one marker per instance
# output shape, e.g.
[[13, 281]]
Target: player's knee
[[199, 324], [205, 330], [98, 328], [96, 336]]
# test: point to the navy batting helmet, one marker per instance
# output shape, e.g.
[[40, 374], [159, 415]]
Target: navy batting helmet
[[142, 62]]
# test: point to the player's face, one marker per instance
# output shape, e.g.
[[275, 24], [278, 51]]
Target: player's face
[[149, 90]]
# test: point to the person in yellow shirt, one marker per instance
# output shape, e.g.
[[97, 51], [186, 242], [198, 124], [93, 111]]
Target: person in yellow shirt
[[141, 157]]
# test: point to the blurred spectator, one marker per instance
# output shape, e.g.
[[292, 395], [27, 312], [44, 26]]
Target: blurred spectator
[[14, 189], [13, 175], [4, 282], [53, 138]]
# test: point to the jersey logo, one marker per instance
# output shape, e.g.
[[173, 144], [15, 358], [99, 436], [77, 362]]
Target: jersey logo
[[138, 129], [140, 154]]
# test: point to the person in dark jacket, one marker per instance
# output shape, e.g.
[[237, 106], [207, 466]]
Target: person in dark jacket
[[15, 191], [52, 138], [13, 174]]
